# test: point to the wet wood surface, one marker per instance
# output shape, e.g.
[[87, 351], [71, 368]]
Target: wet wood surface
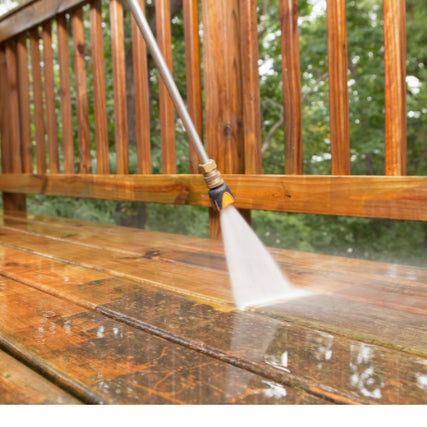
[[19, 384], [362, 196], [136, 316]]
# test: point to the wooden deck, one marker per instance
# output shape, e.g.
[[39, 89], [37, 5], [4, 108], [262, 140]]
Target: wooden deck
[[100, 314]]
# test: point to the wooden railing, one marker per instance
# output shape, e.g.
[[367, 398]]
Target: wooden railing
[[41, 131]]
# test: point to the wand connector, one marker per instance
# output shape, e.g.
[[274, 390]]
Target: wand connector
[[219, 192]]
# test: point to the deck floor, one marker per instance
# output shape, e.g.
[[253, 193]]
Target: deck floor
[[101, 314]]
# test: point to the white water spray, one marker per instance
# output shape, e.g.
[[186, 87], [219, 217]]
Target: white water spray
[[256, 279]]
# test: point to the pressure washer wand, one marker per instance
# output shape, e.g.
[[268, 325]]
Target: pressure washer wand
[[219, 192]]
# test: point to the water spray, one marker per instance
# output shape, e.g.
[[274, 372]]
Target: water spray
[[255, 277], [219, 192]]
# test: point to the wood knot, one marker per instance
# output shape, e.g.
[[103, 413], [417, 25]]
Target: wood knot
[[227, 130], [80, 48]]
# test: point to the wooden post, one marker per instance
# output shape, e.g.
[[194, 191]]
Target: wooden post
[[223, 89]]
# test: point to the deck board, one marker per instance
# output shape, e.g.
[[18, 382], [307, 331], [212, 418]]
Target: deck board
[[106, 361], [360, 338], [19, 384]]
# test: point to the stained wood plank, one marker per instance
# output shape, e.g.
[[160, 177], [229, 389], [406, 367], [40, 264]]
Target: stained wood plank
[[107, 361], [364, 196], [24, 104], [32, 14], [142, 106], [395, 87], [4, 114], [65, 95], [313, 357], [38, 101], [193, 73], [9, 129], [210, 254], [180, 278], [81, 90], [49, 83], [325, 275], [98, 69], [21, 385], [15, 161], [119, 85], [338, 89], [213, 285], [291, 78], [167, 114], [223, 103]]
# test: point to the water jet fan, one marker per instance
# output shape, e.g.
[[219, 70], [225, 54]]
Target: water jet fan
[[255, 277]]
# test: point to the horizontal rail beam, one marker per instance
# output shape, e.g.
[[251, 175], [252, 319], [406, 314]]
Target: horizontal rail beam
[[402, 198], [31, 14]]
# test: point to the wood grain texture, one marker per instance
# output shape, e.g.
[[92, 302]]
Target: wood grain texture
[[24, 104], [193, 73], [167, 113], [11, 201], [81, 90], [395, 87], [15, 161], [32, 14], [98, 69], [142, 98], [291, 78], [4, 113], [223, 102], [119, 86], [338, 89], [21, 385], [65, 95], [322, 359], [38, 101], [106, 361], [49, 87], [362, 196]]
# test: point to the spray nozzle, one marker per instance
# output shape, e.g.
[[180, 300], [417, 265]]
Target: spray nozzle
[[219, 192]]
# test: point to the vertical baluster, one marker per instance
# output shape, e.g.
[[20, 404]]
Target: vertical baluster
[[193, 73], [119, 82], [38, 101], [97, 48], [81, 89], [13, 202], [49, 87], [13, 106], [395, 86], [167, 114], [250, 89], [65, 95], [142, 107], [6, 154], [24, 104], [338, 88], [291, 77]]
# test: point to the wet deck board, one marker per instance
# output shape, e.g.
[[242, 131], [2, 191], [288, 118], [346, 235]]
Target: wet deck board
[[19, 384], [106, 361], [361, 338]]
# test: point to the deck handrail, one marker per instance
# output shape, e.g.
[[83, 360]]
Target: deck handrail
[[39, 139]]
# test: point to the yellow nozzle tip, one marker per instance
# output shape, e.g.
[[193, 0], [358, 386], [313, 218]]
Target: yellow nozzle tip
[[227, 199]]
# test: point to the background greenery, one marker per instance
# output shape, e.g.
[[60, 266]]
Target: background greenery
[[394, 241]]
